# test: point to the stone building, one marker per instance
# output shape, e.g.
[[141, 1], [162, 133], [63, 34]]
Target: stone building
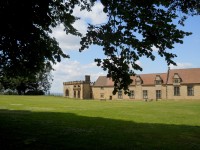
[[78, 89], [174, 84]]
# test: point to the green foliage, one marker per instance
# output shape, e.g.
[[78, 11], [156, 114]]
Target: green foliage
[[35, 92], [134, 28], [26, 46], [36, 84]]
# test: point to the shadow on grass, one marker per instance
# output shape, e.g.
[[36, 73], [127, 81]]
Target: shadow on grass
[[57, 131]]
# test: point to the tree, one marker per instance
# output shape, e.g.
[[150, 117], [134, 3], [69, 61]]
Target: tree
[[25, 42], [134, 28], [1, 88], [35, 84], [26, 45], [42, 80]]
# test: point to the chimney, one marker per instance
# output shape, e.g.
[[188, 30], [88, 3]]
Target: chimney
[[87, 78]]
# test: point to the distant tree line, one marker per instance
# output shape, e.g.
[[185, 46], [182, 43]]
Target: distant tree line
[[38, 84]]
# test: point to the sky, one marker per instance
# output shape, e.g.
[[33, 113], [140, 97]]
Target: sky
[[82, 63]]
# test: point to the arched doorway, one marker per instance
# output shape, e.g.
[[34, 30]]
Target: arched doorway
[[67, 92], [79, 94], [74, 94]]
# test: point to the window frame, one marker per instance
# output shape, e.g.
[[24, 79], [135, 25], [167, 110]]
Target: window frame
[[158, 94], [177, 91], [158, 82], [176, 80], [145, 94], [132, 94], [190, 90], [120, 95]]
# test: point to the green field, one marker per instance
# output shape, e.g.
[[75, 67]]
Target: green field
[[57, 123]]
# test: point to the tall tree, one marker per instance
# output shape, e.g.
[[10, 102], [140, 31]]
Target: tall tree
[[25, 42], [134, 28], [26, 45], [42, 81], [37, 83]]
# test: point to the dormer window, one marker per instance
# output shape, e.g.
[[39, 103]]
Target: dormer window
[[176, 79], [158, 80], [138, 80]]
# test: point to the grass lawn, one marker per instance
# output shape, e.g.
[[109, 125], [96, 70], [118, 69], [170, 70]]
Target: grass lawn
[[57, 123]]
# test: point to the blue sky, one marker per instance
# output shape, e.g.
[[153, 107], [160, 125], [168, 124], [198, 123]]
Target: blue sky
[[81, 64]]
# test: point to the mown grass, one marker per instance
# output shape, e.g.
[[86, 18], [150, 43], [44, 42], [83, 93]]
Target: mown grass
[[42, 122]]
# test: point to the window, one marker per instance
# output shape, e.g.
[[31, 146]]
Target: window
[[176, 80], [77, 87], [176, 91], [158, 82], [145, 94], [120, 94], [102, 95], [131, 94], [158, 94], [138, 82], [190, 90], [102, 88]]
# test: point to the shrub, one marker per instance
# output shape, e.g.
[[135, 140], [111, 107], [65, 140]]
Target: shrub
[[34, 92]]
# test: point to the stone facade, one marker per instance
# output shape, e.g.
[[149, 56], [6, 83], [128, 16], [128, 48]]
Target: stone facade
[[174, 84], [78, 89]]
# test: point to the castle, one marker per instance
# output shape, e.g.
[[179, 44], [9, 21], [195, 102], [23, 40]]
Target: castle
[[174, 84]]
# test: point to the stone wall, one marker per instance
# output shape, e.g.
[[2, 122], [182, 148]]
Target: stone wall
[[138, 92]]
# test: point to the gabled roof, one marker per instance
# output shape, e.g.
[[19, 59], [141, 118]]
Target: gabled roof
[[188, 76], [149, 79], [104, 81]]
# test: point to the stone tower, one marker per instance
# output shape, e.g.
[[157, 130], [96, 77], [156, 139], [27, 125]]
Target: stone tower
[[87, 78]]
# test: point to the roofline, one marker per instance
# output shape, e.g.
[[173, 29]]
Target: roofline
[[184, 68]]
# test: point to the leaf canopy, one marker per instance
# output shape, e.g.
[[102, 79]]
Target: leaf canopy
[[133, 30]]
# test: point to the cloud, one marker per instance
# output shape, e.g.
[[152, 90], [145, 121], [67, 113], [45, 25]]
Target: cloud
[[73, 71], [155, 49], [96, 16], [71, 42], [181, 65], [139, 63], [69, 70]]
